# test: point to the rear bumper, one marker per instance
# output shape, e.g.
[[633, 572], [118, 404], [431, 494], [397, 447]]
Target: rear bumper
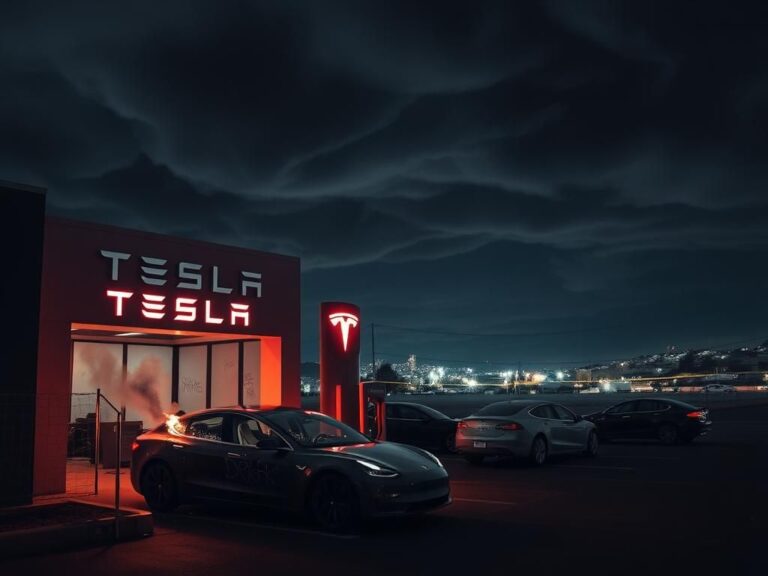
[[494, 446], [693, 429]]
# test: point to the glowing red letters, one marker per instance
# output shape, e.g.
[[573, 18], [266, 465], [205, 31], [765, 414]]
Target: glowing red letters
[[154, 307]]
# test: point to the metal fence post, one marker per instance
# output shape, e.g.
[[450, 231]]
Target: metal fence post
[[96, 447], [118, 464]]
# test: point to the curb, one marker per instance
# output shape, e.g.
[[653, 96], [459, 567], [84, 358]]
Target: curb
[[132, 525]]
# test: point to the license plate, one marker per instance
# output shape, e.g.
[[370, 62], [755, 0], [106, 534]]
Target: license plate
[[479, 444]]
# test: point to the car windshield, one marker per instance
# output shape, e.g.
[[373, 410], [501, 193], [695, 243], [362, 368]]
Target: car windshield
[[312, 429], [501, 409]]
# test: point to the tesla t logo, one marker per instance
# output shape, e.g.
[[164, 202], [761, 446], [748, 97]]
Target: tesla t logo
[[345, 320]]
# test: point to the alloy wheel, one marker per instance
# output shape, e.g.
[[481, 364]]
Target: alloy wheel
[[539, 451], [335, 504], [159, 488]]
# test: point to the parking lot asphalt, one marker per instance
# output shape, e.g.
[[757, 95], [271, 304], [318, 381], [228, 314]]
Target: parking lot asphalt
[[638, 508]]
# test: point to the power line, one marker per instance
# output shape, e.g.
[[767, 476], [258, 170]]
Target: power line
[[489, 362], [498, 334]]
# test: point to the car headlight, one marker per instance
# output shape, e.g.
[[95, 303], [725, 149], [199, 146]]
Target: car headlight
[[377, 471], [435, 458]]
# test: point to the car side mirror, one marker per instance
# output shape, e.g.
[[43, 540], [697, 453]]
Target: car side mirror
[[579, 418]]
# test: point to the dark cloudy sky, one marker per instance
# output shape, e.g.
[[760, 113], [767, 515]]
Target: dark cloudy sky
[[589, 174]]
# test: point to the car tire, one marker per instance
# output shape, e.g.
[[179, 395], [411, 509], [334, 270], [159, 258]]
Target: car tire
[[668, 434], [593, 445], [539, 451], [334, 504], [449, 443], [474, 458], [158, 485]]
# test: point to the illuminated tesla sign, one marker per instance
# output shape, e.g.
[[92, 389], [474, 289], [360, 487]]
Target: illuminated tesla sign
[[345, 321], [154, 306]]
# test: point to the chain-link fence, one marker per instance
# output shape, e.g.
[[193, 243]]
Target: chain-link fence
[[82, 445]]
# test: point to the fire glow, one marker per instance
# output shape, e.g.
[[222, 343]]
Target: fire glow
[[156, 307], [173, 424]]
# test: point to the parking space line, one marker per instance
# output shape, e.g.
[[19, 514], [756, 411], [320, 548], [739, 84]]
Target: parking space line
[[272, 527], [739, 422], [667, 458], [482, 501], [622, 468]]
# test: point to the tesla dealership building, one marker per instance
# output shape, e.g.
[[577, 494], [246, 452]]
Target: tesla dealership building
[[157, 323]]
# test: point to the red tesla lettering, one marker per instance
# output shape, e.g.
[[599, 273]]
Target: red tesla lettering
[[153, 306], [239, 311], [186, 311], [119, 297], [208, 318]]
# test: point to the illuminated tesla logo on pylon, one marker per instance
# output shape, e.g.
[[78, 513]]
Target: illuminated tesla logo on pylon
[[345, 320]]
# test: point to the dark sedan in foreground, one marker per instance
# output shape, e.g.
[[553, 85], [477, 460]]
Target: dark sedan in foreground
[[664, 419], [284, 458]]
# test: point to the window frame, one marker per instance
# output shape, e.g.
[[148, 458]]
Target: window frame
[[202, 418], [547, 405], [611, 412], [261, 422], [571, 418]]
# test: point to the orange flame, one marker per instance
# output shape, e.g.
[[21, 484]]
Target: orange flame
[[172, 423]]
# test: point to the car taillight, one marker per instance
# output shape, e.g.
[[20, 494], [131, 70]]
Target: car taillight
[[463, 424], [509, 426], [135, 446], [697, 415]]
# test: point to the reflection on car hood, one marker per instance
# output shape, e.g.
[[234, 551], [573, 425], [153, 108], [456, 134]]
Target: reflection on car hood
[[389, 454]]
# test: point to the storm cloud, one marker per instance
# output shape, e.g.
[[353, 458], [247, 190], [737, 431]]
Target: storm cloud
[[591, 173]]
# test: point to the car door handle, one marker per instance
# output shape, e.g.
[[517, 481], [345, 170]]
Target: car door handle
[[234, 455], [623, 417], [177, 446]]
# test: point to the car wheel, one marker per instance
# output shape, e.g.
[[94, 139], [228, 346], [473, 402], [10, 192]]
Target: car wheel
[[592, 445], [539, 451], [159, 487], [334, 504], [449, 443], [474, 458], [668, 434]]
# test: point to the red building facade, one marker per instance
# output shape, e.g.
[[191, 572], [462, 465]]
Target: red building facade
[[158, 323]]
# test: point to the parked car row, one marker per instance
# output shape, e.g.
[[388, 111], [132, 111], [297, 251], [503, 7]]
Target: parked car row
[[305, 461]]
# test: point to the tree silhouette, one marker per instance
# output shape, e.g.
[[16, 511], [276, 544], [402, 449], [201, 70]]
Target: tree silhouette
[[395, 382], [385, 373]]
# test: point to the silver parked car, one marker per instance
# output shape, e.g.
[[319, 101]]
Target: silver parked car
[[524, 428]]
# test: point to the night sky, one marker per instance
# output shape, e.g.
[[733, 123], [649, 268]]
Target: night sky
[[571, 181]]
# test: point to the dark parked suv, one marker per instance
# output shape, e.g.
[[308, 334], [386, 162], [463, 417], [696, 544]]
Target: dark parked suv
[[667, 420]]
